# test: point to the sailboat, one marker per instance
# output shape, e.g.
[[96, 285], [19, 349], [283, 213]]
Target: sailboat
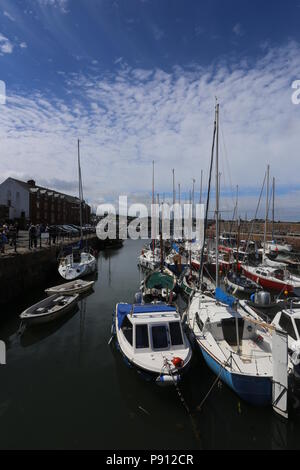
[[236, 345], [276, 278], [79, 263]]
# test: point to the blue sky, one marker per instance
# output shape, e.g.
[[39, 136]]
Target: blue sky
[[136, 80]]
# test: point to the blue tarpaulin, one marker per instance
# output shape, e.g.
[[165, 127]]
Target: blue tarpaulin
[[175, 247], [126, 309], [221, 296]]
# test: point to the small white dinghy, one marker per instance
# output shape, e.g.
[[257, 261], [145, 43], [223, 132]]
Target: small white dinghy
[[49, 309], [151, 339], [71, 268], [74, 287]]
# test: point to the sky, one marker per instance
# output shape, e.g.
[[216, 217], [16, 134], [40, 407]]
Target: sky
[[136, 81]]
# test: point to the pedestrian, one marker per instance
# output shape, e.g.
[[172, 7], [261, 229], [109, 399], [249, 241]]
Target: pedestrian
[[37, 234], [32, 232], [47, 230], [13, 236], [3, 240]]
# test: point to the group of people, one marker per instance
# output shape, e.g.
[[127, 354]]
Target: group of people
[[35, 232], [8, 235]]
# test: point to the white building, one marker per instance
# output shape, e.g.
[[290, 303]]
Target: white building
[[15, 195]]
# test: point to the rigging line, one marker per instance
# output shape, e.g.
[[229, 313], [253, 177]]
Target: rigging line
[[252, 224], [213, 385]]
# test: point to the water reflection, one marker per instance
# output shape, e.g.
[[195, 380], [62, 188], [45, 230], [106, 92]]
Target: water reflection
[[65, 387]]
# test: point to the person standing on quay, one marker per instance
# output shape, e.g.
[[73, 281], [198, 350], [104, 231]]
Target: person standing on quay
[[31, 235]]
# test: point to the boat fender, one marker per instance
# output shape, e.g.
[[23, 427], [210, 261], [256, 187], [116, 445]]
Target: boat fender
[[177, 362], [167, 379]]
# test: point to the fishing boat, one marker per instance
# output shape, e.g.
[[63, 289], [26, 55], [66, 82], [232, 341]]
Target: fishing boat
[[74, 287], [235, 282], [49, 309], [151, 339], [159, 285], [81, 262]]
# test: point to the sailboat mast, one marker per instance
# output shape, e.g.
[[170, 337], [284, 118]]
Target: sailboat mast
[[273, 213], [80, 189], [267, 209], [153, 216], [217, 195]]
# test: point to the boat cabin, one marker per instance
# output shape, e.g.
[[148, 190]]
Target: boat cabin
[[229, 328], [150, 327], [289, 321]]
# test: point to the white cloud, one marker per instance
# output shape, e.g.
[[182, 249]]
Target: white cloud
[[23, 45], [6, 47], [127, 119]]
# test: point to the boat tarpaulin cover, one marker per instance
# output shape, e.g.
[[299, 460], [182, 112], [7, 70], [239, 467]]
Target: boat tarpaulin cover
[[158, 280], [175, 247], [221, 296], [126, 309]]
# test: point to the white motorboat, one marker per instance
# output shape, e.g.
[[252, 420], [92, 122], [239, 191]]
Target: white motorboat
[[49, 309], [151, 339], [149, 259], [74, 287], [276, 246], [74, 266]]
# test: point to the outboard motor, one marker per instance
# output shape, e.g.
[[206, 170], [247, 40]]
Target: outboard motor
[[261, 298]]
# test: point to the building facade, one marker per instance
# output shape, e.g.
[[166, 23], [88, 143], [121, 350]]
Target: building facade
[[28, 202]]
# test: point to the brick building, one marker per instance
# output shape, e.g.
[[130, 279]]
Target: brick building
[[28, 202]]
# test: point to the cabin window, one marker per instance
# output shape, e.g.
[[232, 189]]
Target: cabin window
[[175, 333], [286, 324], [229, 330], [141, 336], [200, 322], [297, 322], [127, 330], [159, 337]]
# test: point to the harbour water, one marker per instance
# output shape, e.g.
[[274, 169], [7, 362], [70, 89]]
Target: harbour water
[[65, 387]]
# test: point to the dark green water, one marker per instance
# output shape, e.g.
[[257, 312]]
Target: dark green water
[[64, 387]]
